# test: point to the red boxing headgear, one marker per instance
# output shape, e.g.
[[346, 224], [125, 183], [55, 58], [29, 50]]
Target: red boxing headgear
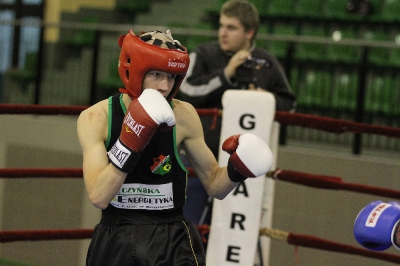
[[137, 58]]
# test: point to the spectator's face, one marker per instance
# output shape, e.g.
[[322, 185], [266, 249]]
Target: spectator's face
[[232, 36]]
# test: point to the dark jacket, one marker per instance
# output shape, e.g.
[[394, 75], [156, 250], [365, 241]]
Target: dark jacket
[[205, 81]]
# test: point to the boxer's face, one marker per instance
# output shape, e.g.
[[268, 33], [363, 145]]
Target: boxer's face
[[160, 81]]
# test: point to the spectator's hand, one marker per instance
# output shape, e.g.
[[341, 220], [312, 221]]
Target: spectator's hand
[[252, 87], [236, 60]]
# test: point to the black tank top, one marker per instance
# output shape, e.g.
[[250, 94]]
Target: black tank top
[[158, 181]]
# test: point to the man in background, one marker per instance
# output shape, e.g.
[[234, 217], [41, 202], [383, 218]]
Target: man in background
[[233, 62]]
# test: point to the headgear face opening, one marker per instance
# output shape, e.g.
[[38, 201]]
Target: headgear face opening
[[138, 57]]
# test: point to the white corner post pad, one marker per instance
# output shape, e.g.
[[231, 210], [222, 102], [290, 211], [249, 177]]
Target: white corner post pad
[[236, 220]]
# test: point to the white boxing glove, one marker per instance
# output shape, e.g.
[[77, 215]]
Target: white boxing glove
[[250, 156]]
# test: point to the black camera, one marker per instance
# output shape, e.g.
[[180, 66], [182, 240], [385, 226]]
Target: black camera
[[255, 63], [246, 73]]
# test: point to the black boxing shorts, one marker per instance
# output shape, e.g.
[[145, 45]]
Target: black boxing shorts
[[146, 240]]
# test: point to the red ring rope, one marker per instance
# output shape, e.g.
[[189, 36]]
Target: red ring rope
[[59, 234], [319, 243], [40, 109], [43, 172], [331, 182], [311, 180], [49, 172], [35, 235], [292, 238], [334, 125], [304, 120]]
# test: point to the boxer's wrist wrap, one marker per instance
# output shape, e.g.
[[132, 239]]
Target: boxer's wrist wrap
[[233, 174], [123, 157]]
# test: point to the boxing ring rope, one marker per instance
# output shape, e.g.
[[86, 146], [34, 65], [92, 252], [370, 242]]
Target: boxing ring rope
[[319, 243], [330, 182], [311, 180], [295, 119], [291, 238], [318, 181], [44, 172]]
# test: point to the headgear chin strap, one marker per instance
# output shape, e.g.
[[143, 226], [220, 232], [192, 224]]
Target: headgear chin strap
[[137, 58]]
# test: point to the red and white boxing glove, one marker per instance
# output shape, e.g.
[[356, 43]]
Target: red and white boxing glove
[[142, 119], [250, 156]]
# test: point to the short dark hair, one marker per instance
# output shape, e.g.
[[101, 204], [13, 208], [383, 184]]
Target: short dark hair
[[244, 11]]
